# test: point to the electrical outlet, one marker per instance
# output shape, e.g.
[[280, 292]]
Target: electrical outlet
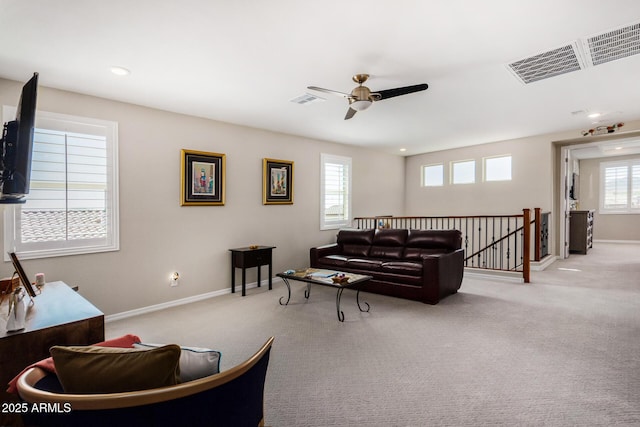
[[174, 279]]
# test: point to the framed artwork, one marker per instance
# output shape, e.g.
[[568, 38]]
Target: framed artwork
[[22, 275], [277, 182], [202, 178]]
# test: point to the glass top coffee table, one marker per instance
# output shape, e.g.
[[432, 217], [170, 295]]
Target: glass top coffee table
[[331, 278]]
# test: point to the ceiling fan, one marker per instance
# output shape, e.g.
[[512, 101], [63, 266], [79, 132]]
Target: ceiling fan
[[361, 96]]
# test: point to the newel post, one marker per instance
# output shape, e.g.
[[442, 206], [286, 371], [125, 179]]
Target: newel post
[[537, 233], [526, 250]]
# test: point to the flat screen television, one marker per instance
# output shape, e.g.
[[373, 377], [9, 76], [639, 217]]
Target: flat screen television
[[17, 147]]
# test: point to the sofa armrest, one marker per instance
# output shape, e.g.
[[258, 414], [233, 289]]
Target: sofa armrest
[[321, 251], [442, 274]]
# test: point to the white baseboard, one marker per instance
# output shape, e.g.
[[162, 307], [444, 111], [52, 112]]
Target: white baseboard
[[182, 301], [628, 242], [543, 263], [507, 276]]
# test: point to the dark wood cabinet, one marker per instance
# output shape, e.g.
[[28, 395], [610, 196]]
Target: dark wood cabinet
[[58, 316], [581, 231], [247, 258]]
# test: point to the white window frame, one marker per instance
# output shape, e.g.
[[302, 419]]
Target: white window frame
[[424, 175], [345, 221], [12, 214], [453, 171], [629, 165], [485, 169]]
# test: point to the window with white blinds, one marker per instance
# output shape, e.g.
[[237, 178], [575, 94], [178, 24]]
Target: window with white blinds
[[620, 187], [72, 205], [335, 191]]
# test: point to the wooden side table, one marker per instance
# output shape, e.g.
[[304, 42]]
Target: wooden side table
[[246, 258], [59, 316]]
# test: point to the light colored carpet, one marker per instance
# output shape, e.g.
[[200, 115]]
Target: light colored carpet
[[561, 351]]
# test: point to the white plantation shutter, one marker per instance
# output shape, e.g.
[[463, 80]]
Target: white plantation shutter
[[620, 187], [335, 191], [72, 204], [635, 186], [615, 187]]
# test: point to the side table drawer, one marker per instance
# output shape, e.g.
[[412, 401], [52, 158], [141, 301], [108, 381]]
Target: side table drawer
[[252, 258]]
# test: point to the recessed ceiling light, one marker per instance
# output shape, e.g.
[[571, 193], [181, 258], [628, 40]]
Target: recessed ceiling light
[[120, 71], [403, 149], [618, 148], [594, 115]]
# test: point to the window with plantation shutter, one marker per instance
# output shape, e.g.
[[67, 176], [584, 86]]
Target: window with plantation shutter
[[335, 191], [72, 204], [620, 187]]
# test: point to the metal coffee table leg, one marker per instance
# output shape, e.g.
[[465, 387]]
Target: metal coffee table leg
[[358, 301], [340, 313], [286, 282], [307, 292]]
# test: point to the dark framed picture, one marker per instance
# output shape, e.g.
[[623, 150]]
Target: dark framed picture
[[277, 182], [202, 178], [22, 275]]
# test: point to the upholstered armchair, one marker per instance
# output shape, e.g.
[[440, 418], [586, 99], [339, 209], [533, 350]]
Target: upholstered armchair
[[234, 397]]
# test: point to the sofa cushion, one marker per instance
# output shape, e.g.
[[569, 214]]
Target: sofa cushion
[[401, 267], [93, 369], [195, 362], [419, 253], [386, 252], [356, 250], [355, 237], [334, 260], [388, 243], [364, 264], [390, 237], [449, 240]]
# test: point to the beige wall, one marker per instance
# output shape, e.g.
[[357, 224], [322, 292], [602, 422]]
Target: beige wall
[[158, 236], [530, 186], [605, 226]]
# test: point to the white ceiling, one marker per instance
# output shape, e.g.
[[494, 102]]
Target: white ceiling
[[243, 61]]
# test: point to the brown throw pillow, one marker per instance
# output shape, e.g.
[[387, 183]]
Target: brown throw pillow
[[92, 369]]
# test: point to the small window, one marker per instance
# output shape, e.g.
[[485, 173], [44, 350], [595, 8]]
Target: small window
[[497, 168], [463, 172], [335, 191], [620, 187], [433, 175]]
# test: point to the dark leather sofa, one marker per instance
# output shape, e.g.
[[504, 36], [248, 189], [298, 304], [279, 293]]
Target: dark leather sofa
[[421, 265]]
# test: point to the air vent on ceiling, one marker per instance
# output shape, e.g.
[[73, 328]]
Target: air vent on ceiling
[[558, 61], [615, 44], [306, 99]]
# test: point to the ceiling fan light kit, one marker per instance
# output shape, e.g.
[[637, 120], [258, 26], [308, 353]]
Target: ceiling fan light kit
[[361, 105], [362, 98]]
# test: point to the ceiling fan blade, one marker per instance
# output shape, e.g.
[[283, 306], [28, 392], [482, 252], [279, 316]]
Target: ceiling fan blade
[[333, 92], [350, 113], [390, 93]]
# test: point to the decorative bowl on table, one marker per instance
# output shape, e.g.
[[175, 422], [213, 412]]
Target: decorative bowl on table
[[340, 278]]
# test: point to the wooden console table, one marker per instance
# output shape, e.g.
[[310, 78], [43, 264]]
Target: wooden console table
[[58, 316], [246, 258]]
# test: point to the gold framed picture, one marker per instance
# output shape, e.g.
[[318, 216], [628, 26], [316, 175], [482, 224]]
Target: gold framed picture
[[202, 178], [277, 182]]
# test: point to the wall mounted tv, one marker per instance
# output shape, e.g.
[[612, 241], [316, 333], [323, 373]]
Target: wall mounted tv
[[17, 147]]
